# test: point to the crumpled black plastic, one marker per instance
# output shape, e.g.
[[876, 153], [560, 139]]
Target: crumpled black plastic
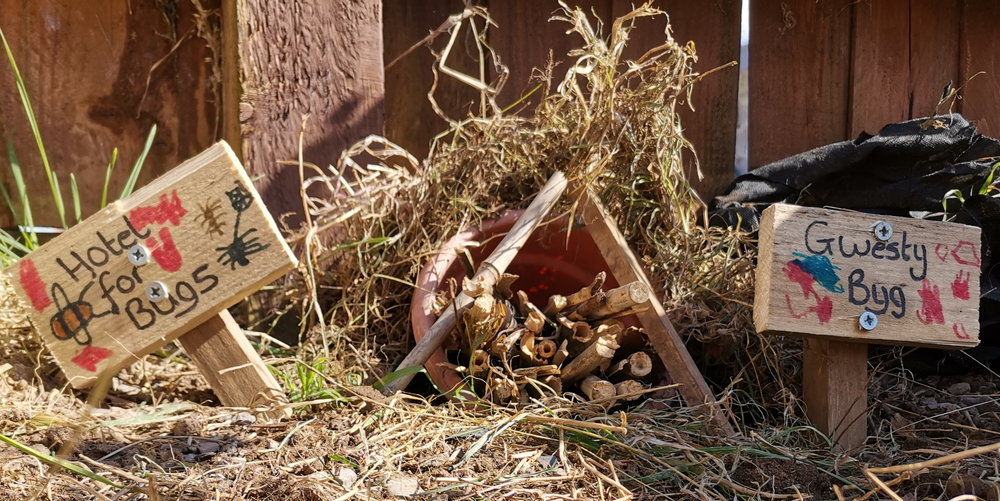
[[907, 167]]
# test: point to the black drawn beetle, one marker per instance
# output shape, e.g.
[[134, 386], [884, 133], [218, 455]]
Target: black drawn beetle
[[72, 319]]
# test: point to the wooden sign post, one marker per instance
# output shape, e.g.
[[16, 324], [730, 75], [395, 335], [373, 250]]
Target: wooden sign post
[[845, 279], [164, 263]]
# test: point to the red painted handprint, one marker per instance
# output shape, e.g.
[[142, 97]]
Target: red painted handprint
[[824, 305], [960, 335], [960, 287], [931, 297], [168, 257]]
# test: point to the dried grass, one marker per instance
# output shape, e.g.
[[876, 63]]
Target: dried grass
[[610, 124]]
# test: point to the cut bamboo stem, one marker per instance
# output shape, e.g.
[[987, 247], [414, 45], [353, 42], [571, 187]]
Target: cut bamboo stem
[[534, 322], [528, 356], [624, 313], [590, 359], [586, 293], [596, 388], [636, 365], [629, 389], [480, 362], [561, 354], [607, 304], [556, 304], [576, 347], [545, 349], [494, 266], [522, 303], [504, 343], [555, 383], [504, 390], [477, 286], [503, 285]]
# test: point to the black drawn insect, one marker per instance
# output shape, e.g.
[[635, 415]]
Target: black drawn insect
[[71, 320], [241, 247]]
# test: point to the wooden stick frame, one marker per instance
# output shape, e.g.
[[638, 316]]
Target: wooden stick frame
[[668, 344]]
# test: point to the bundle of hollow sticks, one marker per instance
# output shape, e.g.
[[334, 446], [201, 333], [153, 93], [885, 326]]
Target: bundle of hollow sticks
[[512, 349]]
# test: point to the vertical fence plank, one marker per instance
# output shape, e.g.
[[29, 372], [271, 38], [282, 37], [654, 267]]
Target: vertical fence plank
[[980, 51], [86, 66], [934, 49], [524, 36], [799, 77], [410, 118], [880, 65], [711, 127], [307, 56]]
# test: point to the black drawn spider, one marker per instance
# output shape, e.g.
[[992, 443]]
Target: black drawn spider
[[241, 247]]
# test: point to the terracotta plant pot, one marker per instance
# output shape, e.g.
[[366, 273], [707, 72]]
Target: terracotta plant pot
[[547, 265]]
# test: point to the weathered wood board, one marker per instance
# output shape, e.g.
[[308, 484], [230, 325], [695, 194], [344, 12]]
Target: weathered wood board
[[819, 270], [211, 242]]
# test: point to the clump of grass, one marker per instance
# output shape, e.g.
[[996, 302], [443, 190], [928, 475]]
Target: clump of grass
[[11, 247]]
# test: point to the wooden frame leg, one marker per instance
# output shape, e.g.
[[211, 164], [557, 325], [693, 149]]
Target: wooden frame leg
[[835, 390], [668, 344], [231, 366]]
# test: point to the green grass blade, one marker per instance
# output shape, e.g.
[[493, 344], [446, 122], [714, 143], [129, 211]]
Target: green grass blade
[[22, 90], [134, 176], [76, 196], [107, 177], [9, 244], [58, 192], [394, 375], [54, 461], [30, 237], [164, 413]]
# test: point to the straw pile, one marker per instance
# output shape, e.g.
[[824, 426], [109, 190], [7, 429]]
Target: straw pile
[[609, 123]]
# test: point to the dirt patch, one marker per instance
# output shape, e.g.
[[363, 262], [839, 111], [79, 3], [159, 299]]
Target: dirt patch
[[782, 476]]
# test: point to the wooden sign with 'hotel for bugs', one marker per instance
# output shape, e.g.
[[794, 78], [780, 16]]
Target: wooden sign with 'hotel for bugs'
[[846, 279], [164, 263]]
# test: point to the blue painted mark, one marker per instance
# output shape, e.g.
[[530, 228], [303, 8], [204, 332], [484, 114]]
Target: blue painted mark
[[821, 269]]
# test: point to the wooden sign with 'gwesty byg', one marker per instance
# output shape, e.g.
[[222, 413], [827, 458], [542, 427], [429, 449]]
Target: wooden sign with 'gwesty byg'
[[865, 278], [147, 269]]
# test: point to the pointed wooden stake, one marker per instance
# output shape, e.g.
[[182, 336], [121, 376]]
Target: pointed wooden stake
[[232, 367]]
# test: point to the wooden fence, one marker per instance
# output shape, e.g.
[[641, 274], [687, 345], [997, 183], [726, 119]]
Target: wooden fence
[[100, 73]]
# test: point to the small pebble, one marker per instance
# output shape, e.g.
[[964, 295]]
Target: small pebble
[[272, 443], [929, 402], [969, 401], [189, 426], [346, 477], [189, 458], [244, 418], [208, 447], [435, 461], [962, 388], [948, 407], [402, 486]]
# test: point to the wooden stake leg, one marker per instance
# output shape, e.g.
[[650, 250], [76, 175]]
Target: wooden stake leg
[[835, 390], [231, 366]]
